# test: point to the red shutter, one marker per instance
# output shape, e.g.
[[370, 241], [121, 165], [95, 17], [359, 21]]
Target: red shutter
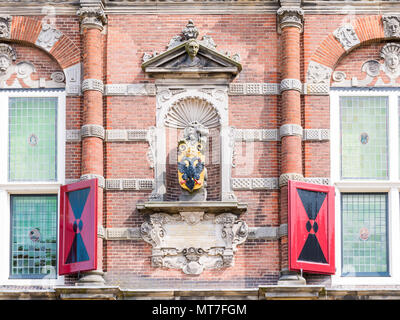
[[78, 227], [311, 227]]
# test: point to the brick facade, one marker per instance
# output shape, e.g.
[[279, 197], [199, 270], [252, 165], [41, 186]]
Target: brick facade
[[113, 55]]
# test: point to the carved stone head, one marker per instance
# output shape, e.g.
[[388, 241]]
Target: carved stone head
[[391, 54], [391, 25], [7, 55], [5, 27], [192, 48]]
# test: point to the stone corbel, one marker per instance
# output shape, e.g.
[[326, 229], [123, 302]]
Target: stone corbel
[[290, 17]]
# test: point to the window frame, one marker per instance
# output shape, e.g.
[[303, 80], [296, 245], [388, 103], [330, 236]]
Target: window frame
[[9, 188], [390, 186]]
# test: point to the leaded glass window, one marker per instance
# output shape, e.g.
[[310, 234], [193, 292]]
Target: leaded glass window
[[364, 137], [364, 234], [32, 139], [33, 236]]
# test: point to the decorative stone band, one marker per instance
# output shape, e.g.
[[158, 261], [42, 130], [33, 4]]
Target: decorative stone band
[[290, 17], [92, 84], [291, 84], [254, 183], [255, 233], [290, 130], [118, 184], [92, 130], [248, 135], [137, 89], [129, 184], [284, 178], [89, 176], [235, 89], [254, 89], [274, 183]]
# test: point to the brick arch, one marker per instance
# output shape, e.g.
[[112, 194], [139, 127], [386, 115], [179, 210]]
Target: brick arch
[[330, 50], [64, 51]]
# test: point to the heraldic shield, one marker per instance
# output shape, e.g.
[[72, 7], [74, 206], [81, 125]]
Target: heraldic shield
[[192, 172]]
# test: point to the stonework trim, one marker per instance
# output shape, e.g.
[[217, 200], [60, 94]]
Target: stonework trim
[[291, 84], [247, 135], [89, 176], [255, 183], [92, 84], [255, 233], [284, 178], [290, 130], [92, 130]]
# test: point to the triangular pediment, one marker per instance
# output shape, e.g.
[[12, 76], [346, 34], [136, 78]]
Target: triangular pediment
[[176, 60]]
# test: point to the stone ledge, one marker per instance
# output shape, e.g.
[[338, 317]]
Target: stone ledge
[[184, 206]]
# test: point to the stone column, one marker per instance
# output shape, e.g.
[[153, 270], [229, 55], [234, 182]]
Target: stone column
[[290, 27], [93, 20]]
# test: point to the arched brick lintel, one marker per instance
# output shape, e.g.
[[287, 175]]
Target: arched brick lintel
[[64, 51], [331, 51]]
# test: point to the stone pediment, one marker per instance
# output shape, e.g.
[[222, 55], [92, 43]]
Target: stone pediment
[[188, 57]]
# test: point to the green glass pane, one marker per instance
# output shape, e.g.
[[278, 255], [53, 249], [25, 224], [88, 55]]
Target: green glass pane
[[32, 139], [33, 236], [364, 234], [364, 142]]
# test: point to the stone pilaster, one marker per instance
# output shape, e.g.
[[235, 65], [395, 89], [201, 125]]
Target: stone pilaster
[[290, 27], [93, 21]]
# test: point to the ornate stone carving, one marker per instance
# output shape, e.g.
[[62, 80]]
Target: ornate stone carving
[[93, 84], [190, 31], [290, 130], [290, 17], [391, 26], [186, 53], [338, 76], [92, 130], [193, 240], [318, 73], [284, 178], [391, 55], [291, 84], [48, 37], [5, 27], [190, 110], [19, 75], [92, 17], [318, 78], [346, 36]]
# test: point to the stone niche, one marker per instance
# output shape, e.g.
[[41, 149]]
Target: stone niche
[[203, 229], [193, 236]]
